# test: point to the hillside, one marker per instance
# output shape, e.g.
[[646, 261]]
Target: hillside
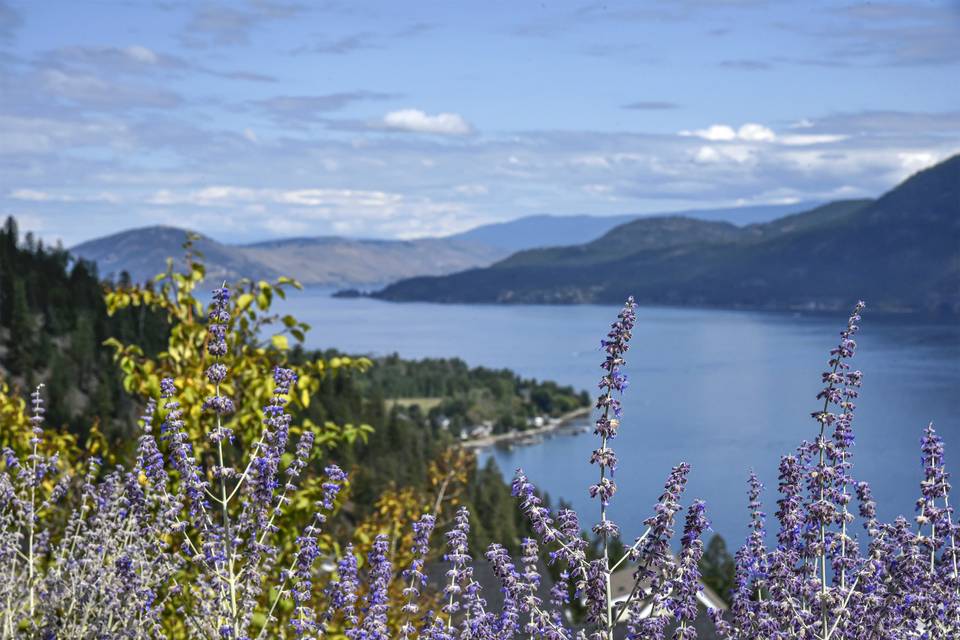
[[342, 261], [554, 231], [322, 261], [900, 252], [143, 254]]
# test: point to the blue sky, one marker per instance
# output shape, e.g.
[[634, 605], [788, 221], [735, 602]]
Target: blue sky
[[253, 120]]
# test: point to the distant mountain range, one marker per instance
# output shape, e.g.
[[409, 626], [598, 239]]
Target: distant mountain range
[[322, 261], [900, 252], [349, 262], [555, 231]]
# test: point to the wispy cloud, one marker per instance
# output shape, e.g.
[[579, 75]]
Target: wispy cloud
[[651, 105], [135, 60], [89, 90], [745, 64], [301, 110], [232, 24], [10, 20], [341, 45], [886, 33]]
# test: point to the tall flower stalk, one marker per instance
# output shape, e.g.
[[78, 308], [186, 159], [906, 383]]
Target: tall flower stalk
[[614, 381]]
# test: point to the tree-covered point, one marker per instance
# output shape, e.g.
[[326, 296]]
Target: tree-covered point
[[53, 322], [404, 443], [457, 397]]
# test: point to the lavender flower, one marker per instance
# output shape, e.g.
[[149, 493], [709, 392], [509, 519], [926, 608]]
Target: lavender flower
[[414, 575], [381, 571]]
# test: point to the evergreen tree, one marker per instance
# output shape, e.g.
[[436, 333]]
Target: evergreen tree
[[717, 568], [21, 343]]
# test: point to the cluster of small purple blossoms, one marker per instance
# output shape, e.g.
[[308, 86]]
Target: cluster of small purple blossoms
[[414, 575], [192, 488], [682, 598], [85, 572], [821, 582], [217, 325]]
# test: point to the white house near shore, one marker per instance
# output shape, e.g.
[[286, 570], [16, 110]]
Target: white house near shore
[[622, 583]]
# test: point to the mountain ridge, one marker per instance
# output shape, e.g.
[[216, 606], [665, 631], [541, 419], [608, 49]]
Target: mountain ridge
[[550, 230], [321, 261], [900, 251], [345, 262]]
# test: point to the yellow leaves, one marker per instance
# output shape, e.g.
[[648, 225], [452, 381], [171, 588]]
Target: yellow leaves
[[448, 475], [284, 280], [14, 420], [15, 431], [243, 302], [304, 396], [280, 342], [97, 445]]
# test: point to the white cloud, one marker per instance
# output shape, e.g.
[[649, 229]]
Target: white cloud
[[750, 132], [141, 54], [360, 206], [415, 120], [802, 140], [95, 91], [33, 195], [736, 154], [471, 189], [37, 134], [72, 84], [597, 189], [913, 161], [30, 195], [591, 162], [755, 133], [713, 132]]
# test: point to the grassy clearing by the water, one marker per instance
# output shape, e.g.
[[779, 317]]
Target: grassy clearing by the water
[[425, 404]]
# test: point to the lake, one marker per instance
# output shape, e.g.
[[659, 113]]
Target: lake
[[726, 391]]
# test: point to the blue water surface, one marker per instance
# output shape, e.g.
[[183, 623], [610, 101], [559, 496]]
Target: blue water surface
[[726, 391]]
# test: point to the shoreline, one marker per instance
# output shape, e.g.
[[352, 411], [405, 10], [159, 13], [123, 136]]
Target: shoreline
[[512, 436]]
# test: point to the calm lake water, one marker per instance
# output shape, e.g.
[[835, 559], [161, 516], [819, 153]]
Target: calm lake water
[[726, 391]]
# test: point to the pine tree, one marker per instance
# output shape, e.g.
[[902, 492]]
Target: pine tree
[[717, 567], [21, 343]]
